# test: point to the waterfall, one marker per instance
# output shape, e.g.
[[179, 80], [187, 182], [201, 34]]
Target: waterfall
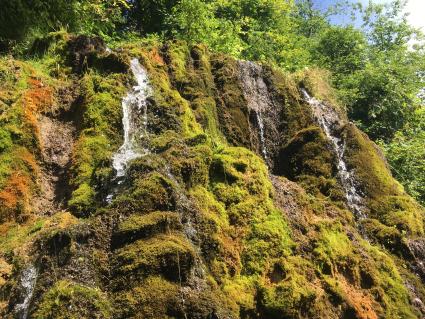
[[134, 122], [28, 281], [135, 119], [328, 118], [257, 96]]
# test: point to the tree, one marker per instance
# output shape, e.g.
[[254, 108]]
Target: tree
[[376, 72], [149, 16], [406, 156], [23, 19], [342, 50]]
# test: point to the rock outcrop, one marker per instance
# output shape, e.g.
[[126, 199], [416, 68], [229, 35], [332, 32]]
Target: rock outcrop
[[238, 210]]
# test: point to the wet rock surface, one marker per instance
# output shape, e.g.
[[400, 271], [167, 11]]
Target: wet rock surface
[[237, 210]]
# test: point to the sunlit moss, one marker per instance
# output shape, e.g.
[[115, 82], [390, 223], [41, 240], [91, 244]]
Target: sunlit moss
[[71, 301]]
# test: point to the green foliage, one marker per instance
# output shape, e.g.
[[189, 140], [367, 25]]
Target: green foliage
[[406, 156], [342, 50], [23, 18], [148, 16], [195, 22], [376, 70], [385, 91]]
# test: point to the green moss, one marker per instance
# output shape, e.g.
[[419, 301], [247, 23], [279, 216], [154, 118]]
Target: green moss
[[390, 286], [145, 226], [167, 254], [209, 206], [14, 236], [164, 141], [390, 237], [401, 212], [83, 199], [178, 53], [385, 197], [71, 301], [99, 116], [267, 240], [242, 213], [25, 93], [191, 164], [291, 292], [371, 169], [241, 290], [199, 89], [333, 246], [162, 220], [295, 115], [230, 101], [148, 193], [317, 81], [307, 159], [255, 265], [5, 140], [101, 110], [155, 298], [91, 166]]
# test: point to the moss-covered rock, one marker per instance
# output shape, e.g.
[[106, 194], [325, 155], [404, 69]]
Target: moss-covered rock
[[70, 300], [385, 197], [198, 227], [168, 254]]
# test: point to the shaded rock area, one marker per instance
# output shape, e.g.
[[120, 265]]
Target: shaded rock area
[[237, 211], [263, 112], [57, 140]]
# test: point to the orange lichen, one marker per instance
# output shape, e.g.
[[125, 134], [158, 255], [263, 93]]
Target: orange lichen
[[154, 56], [15, 196], [363, 304], [35, 100], [231, 252]]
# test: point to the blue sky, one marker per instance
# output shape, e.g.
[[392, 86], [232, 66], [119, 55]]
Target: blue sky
[[415, 8]]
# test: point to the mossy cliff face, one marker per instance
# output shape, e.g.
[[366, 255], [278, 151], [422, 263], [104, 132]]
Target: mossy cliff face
[[237, 210]]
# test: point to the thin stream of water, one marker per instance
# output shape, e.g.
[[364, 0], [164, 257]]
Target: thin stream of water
[[28, 281], [262, 138], [327, 118]]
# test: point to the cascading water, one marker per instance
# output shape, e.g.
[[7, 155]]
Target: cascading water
[[328, 119], [28, 281], [257, 96], [134, 108], [135, 121]]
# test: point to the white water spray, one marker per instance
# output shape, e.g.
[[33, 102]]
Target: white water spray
[[328, 118], [135, 118], [28, 281]]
